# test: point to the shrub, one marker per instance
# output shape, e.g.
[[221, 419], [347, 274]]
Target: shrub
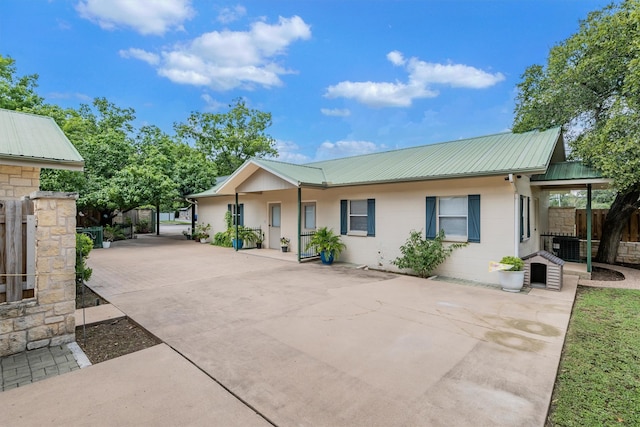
[[422, 256], [142, 227], [84, 244], [517, 263]]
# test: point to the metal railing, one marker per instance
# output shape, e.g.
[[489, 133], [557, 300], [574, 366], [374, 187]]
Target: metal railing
[[312, 252]]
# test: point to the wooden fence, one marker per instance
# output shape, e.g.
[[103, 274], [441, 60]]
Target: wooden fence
[[17, 250], [631, 232]]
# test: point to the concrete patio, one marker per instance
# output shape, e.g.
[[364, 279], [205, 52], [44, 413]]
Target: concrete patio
[[274, 341]]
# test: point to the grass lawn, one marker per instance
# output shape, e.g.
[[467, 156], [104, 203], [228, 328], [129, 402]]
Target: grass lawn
[[598, 383]]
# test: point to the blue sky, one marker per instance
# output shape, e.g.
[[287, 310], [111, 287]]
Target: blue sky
[[339, 77]]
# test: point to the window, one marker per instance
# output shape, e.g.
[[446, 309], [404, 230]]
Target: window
[[237, 216], [452, 216], [457, 216], [358, 217], [525, 218], [309, 215]]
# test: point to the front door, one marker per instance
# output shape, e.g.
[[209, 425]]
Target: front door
[[274, 225]]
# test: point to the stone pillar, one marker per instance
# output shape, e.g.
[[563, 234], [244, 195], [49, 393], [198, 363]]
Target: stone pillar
[[47, 319]]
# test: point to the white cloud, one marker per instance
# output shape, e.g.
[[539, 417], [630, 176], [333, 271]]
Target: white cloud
[[143, 55], [421, 77], [334, 150], [212, 104], [335, 112], [224, 60], [230, 14], [287, 152], [146, 17]]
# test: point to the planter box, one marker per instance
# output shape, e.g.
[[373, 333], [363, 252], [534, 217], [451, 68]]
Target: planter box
[[511, 281]]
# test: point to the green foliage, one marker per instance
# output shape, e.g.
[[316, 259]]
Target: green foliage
[[111, 233], [142, 227], [202, 231], [224, 238], [325, 240], [423, 256], [591, 86], [598, 382], [229, 139], [517, 263], [17, 93], [84, 245]]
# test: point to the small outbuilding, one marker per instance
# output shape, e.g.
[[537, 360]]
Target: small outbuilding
[[543, 270]]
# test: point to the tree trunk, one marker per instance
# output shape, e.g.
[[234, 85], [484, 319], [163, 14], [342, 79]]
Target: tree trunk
[[621, 210]]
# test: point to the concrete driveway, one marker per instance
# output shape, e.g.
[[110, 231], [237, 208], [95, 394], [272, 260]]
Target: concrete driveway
[[311, 345]]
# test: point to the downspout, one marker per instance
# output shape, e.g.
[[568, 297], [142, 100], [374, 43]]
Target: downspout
[[516, 217], [588, 228], [299, 220], [237, 220]]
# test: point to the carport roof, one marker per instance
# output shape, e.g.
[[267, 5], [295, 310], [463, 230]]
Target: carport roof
[[525, 153], [35, 141], [569, 174]]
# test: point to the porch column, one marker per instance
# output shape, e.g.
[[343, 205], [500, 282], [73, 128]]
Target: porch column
[[588, 228], [299, 221], [236, 218]]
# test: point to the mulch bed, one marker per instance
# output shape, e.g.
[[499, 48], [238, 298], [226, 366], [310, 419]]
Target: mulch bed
[[111, 339], [605, 275], [105, 341]]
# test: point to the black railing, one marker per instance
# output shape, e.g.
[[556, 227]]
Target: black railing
[[305, 238], [246, 244]]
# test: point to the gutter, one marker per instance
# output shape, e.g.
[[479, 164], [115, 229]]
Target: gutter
[[516, 216]]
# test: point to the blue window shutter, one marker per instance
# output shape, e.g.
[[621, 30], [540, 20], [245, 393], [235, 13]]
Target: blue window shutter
[[528, 217], [343, 217], [229, 208], [474, 218], [430, 230], [371, 217], [241, 214], [521, 218]]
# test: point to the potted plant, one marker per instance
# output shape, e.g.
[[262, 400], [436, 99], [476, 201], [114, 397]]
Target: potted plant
[[328, 245], [511, 279], [259, 239], [202, 232], [284, 244], [108, 236], [187, 233]]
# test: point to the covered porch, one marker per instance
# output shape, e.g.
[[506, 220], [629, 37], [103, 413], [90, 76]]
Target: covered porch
[[568, 176]]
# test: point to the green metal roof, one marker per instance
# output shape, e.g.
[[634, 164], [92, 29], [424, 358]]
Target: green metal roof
[[300, 174], [481, 156], [35, 140], [566, 171], [529, 152]]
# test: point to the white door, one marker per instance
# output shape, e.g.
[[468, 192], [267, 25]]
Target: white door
[[274, 225]]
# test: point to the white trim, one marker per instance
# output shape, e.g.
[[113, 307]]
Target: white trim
[[569, 182]]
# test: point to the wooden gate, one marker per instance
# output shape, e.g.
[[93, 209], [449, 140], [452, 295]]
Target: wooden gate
[[17, 250]]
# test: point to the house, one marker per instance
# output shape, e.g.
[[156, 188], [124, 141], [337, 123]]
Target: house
[[37, 230], [478, 190]]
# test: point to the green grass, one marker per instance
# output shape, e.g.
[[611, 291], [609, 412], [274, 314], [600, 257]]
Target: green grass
[[598, 383]]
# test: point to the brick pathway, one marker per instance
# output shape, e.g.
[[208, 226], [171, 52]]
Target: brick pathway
[[28, 367]]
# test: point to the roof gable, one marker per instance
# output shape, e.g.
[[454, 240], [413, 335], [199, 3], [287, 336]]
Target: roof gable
[[32, 140]]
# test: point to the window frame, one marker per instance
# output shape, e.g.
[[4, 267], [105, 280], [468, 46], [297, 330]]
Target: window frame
[[346, 215], [473, 222]]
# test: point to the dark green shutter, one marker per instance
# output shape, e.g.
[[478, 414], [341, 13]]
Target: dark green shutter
[[241, 214], [430, 229], [343, 217], [521, 218], [371, 217], [474, 218], [528, 217]]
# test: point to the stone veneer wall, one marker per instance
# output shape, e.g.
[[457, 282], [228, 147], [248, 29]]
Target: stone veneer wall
[[48, 318], [628, 252], [562, 221], [18, 181]]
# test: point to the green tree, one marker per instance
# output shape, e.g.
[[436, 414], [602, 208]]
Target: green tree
[[17, 93], [231, 138], [591, 86]]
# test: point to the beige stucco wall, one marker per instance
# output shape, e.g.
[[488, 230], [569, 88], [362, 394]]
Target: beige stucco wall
[[18, 181], [400, 208], [48, 318]]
